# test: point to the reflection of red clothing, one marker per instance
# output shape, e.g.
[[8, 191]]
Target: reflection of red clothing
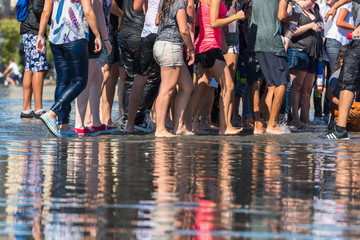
[[203, 219], [208, 38]]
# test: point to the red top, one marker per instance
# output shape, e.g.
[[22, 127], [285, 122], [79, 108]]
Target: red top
[[208, 38]]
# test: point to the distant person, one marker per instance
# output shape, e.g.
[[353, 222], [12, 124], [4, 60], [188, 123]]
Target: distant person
[[13, 72], [35, 61]]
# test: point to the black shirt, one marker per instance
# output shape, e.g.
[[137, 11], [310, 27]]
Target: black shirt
[[133, 21]]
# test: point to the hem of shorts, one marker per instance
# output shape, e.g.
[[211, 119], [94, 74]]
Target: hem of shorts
[[346, 87], [38, 70], [173, 65]]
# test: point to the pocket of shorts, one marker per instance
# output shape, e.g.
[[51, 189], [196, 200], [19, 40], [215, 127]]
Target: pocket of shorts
[[282, 59]]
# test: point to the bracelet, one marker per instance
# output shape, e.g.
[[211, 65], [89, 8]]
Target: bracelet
[[236, 17], [104, 40], [191, 50]]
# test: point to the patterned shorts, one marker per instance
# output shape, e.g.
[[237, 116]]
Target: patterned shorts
[[35, 60]]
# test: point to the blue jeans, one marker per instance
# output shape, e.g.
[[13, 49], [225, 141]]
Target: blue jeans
[[332, 47], [71, 64]]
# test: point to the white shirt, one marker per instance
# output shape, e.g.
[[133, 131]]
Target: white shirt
[[14, 68], [338, 33], [149, 24]]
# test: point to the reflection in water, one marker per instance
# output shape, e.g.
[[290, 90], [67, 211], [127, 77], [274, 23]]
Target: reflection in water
[[195, 188]]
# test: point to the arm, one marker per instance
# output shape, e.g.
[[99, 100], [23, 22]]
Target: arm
[[100, 19], [332, 10], [307, 27], [330, 95], [40, 43], [140, 5], [283, 14], [340, 21], [115, 9], [185, 34], [191, 12], [224, 46], [157, 21], [215, 22]]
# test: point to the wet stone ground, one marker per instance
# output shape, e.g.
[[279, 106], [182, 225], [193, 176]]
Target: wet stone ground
[[294, 186]]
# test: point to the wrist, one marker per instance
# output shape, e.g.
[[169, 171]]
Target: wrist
[[104, 40], [236, 18]]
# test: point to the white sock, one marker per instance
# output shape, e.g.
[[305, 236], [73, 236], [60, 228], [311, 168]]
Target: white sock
[[39, 111], [28, 111]]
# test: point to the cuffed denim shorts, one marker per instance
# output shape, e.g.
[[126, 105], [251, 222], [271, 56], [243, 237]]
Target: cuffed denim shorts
[[298, 59], [168, 54]]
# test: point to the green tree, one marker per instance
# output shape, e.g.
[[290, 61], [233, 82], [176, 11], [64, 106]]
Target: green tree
[[11, 29]]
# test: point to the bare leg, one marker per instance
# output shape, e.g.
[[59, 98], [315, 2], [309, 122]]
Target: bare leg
[[305, 97], [231, 61], [107, 95], [95, 95], [27, 90], [121, 90], [345, 102], [200, 89], [297, 79], [136, 93], [81, 101], [181, 101], [279, 95], [222, 74], [169, 78], [11, 81], [37, 85], [255, 102]]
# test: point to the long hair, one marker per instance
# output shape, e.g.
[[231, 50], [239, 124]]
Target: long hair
[[339, 59], [165, 8]]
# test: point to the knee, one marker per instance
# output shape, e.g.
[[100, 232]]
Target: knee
[[81, 84]]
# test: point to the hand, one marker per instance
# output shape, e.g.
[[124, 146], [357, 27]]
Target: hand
[[98, 45], [240, 15], [108, 47], [40, 44], [224, 47], [332, 13], [352, 113], [356, 32], [315, 27], [191, 57]]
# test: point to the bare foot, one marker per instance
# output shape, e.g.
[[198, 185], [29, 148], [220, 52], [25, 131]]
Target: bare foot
[[129, 130], [274, 130], [164, 133], [183, 131], [258, 128], [230, 131]]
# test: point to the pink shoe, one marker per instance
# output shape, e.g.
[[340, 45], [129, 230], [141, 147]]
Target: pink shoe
[[104, 129], [85, 131]]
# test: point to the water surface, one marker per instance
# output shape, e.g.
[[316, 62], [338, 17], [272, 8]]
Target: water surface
[[294, 186]]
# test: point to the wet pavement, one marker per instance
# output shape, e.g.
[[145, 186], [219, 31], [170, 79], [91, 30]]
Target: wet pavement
[[293, 186]]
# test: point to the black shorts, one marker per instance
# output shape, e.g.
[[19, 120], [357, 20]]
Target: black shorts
[[349, 78], [275, 67], [207, 59], [252, 69], [146, 59]]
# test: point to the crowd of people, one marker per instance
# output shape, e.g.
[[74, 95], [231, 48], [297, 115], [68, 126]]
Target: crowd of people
[[190, 63]]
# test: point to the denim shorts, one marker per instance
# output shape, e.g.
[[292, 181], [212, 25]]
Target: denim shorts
[[35, 60], [298, 59], [168, 54]]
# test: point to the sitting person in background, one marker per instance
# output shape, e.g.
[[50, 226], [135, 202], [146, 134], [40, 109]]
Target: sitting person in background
[[333, 93], [13, 72]]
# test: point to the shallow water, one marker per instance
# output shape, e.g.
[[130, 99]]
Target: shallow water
[[293, 186]]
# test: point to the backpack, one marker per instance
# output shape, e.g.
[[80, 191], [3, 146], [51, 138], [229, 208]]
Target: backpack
[[21, 10]]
